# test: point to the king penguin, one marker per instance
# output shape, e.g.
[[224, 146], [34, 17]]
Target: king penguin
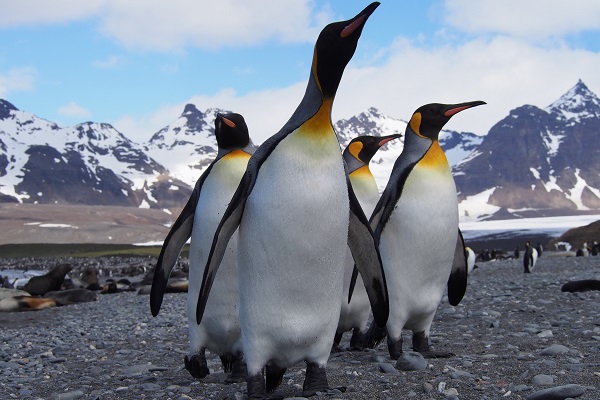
[[416, 225], [355, 313], [220, 330], [297, 214], [529, 258], [471, 257]]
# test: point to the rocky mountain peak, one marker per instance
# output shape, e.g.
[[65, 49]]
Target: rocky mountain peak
[[577, 103], [6, 108]]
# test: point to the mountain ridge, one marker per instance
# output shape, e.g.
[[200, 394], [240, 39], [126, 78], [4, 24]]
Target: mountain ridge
[[534, 162]]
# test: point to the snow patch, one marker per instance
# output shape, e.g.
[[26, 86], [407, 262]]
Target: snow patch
[[49, 225], [475, 207]]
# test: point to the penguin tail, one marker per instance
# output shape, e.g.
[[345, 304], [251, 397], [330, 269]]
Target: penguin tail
[[374, 336]]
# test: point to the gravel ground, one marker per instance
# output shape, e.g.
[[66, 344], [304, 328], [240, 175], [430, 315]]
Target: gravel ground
[[501, 332]]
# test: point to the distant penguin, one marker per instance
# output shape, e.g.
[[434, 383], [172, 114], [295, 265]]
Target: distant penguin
[[540, 249], [297, 214], [220, 331], [416, 225], [471, 256], [529, 258], [355, 314]]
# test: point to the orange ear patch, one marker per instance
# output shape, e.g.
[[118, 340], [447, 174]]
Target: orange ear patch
[[415, 123], [354, 148]]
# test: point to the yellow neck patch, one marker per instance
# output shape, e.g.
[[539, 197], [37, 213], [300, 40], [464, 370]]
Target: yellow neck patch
[[361, 172], [319, 125], [435, 158], [235, 154]]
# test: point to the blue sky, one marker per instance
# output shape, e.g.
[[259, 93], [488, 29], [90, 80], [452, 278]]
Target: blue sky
[[135, 64]]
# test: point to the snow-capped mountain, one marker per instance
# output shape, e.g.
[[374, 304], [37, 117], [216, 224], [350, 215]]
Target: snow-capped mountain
[[89, 163], [456, 145], [186, 146], [536, 162]]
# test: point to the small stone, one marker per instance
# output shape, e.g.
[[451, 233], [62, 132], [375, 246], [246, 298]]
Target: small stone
[[461, 374], [149, 387], [76, 394], [545, 333], [518, 388], [427, 387], [554, 350], [411, 361], [388, 368], [542, 380]]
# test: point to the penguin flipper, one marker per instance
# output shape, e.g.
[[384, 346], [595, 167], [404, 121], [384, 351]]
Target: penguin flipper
[[457, 283], [367, 260], [179, 234]]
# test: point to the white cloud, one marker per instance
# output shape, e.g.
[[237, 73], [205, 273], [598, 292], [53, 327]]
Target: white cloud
[[17, 13], [504, 72], [17, 79], [112, 61], [209, 24], [524, 18], [74, 110], [171, 25]]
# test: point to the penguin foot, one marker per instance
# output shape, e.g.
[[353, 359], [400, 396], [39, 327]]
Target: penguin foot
[[239, 372], [421, 344], [395, 348], [196, 365], [357, 340], [255, 387], [274, 375], [374, 336], [437, 354], [315, 380], [336, 349], [337, 339]]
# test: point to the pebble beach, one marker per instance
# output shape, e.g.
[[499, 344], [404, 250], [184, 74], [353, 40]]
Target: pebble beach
[[515, 336]]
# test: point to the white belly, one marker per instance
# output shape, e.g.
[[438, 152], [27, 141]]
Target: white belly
[[219, 331], [293, 238], [417, 249]]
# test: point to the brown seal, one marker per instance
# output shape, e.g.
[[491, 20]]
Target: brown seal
[[53, 280]]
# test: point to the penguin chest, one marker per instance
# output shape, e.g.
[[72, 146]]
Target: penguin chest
[[214, 197], [418, 242], [220, 325], [365, 189], [293, 238]]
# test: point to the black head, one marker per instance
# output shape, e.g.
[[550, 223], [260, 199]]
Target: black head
[[231, 131], [428, 120], [363, 148], [334, 49]]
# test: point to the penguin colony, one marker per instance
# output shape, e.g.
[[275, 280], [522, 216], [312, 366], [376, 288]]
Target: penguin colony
[[284, 257]]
